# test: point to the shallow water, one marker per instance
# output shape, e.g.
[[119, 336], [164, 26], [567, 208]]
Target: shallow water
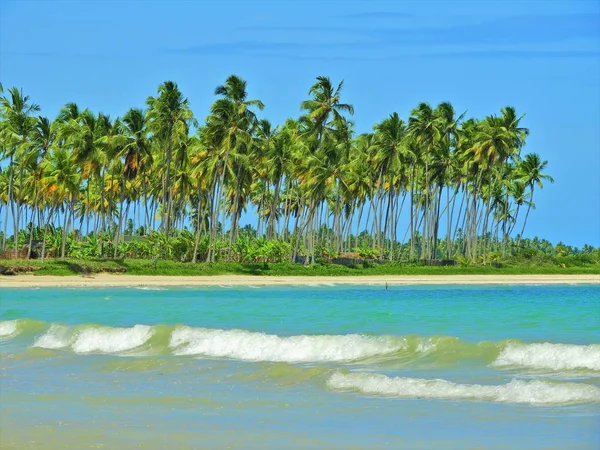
[[301, 367]]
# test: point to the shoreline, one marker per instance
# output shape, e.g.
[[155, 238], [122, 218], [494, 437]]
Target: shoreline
[[107, 280]]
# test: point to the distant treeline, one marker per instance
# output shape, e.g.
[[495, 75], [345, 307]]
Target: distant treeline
[[437, 185]]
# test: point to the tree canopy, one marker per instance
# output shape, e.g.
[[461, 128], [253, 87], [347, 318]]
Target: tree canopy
[[432, 185]]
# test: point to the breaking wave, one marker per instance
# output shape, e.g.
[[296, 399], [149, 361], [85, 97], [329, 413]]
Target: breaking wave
[[517, 391], [550, 356], [94, 338], [57, 336], [8, 328], [431, 351], [251, 346]]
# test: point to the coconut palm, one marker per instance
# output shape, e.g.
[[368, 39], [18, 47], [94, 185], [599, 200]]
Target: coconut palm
[[530, 171], [388, 162], [324, 108], [425, 130], [60, 185], [16, 112], [168, 116], [42, 140], [230, 128]]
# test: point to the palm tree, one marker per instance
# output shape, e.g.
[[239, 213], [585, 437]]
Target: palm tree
[[326, 131], [425, 129], [133, 143], [16, 113], [61, 183], [324, 106], [83, 133], [130, 142], [43, 137], [530, 171], [168, 116], [390, 137], [447, 165], [272, 153], [230, 129], [360, 175]]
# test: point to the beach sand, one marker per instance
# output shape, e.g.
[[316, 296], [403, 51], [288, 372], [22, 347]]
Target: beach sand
[[106, 280]]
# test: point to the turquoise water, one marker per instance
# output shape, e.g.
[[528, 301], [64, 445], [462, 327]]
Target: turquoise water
[[296, 367]]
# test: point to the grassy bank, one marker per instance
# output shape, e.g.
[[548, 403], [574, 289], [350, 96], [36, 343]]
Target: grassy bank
[[147, 267]]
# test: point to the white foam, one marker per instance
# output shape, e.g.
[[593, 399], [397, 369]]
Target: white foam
[[426, 345], [550, 356], [517, 391], [8, 328], [246, 345], [57, 336], [111, 340]]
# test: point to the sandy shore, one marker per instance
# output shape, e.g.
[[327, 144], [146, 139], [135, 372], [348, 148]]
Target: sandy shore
[[105, 280]]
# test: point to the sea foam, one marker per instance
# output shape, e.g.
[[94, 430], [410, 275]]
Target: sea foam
[[94, 338], [111, 340], [550, 356], [246, 345], [57, 336], [534, 392], [8, 328]]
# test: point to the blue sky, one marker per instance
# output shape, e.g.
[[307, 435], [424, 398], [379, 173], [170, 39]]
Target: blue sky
[[542, 57]]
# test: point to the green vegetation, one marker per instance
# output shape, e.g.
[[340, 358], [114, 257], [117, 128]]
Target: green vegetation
[[156, 187], [150, 267], [536, 257]]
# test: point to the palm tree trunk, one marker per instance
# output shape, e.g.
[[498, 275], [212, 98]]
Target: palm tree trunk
[[9, 200], [35, 201], [198, 227], [64, 233], [360, 213], [271, 232], [17, 219], [436, 223], [120, 224], [412, 214], [527, 214]]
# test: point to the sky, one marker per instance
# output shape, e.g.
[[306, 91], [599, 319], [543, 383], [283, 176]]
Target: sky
[[542, 57]]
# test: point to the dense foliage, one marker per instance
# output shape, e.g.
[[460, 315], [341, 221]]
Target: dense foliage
[[156, 183]]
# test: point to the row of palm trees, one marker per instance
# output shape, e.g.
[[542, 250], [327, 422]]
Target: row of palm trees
[[443, 185]]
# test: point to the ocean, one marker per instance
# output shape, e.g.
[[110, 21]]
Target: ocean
[[299, 367]]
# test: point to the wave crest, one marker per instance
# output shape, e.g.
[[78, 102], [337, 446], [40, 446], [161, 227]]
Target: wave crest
[[517, 391], [100, 339], [251, 346], [57, 336], [8, 328], [550, 356], [111, 340]]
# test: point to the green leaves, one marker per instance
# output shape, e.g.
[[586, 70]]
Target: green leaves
[[312, 184]]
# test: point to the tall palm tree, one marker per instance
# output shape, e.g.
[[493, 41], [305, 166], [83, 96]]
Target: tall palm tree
[[325, 107], [42, 140], [230, 128], [390, 137], [61, 184], [424, 128], [133, 143], [326, 129], [447, 164], [531, 173], [168, 116], [16, 112], [130, 144]]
